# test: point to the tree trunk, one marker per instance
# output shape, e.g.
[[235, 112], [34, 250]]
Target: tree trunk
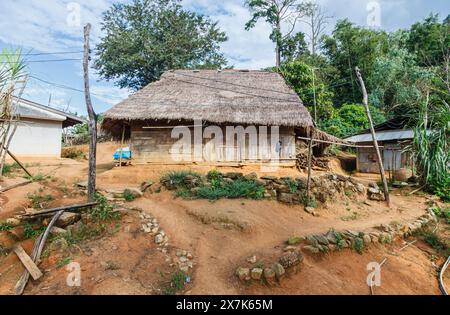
[[278, 45], [375, 142], [92, 118]]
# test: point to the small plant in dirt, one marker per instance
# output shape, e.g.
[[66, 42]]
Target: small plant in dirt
[[9, 168], [309, 201], [433, 239], [177, 283], [442, 213], [83, 232], [358, 245], [73, 153], [63, 262], [38, 177], [40, 201], [104, 211], [128, 195], [178, 178], [340, 242], [30, 232], [292, 184], [4, 226]]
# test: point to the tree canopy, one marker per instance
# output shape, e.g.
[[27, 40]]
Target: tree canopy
[[147, 37]]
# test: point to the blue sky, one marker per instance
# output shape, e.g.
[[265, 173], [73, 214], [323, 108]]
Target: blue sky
[[47, 26]]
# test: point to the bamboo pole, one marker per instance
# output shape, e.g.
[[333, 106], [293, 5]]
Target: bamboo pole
[[372, 131], [308, 183], [338, 143]]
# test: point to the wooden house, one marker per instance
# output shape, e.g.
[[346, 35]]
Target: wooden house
[[211, 104]]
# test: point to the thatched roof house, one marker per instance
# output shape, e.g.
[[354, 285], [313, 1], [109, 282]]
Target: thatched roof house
[[221, 98]]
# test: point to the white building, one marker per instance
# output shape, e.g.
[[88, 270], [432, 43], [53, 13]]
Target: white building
[[39, 131]]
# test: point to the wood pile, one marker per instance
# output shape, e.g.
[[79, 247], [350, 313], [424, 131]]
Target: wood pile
[[317, 163]]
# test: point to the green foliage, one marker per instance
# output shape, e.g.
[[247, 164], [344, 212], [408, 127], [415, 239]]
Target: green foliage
[[178, 178], [442, 213], [358, 245], [128, 195], [340, 242], [104, 211], [83, 232], [5, 226], [234, 189], [37, 177], [350, 119], [431, 148], [30, 232], [40, 201], [292, 184], [436, 242], [147, 37], [309, 201], [350, 46], [300, 76], [8, 168], [63, 262], [177, 283]]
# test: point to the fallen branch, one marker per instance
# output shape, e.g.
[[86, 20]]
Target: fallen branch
[[15, 186], [48, 212], [416, 190], [36, 254]]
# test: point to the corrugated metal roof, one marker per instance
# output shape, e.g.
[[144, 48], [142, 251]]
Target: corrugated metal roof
[[28, 109], [383, 136]]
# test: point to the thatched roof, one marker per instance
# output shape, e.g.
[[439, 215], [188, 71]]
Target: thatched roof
[[228, 96]]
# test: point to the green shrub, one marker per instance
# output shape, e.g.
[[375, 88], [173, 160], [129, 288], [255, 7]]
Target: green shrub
[[177, 178], [5, 226], [128, 195], [8, 168], [233, 189], [358, 245], [292, 184], [177, 283], [30, 232], [104, 210], [39, 200]]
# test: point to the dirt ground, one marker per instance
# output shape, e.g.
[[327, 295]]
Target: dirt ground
[[220, 235]]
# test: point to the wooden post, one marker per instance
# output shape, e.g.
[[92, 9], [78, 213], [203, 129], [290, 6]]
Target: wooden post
[[372, 130], [308, 183], [18, 162], [121, 145], [92, 117]]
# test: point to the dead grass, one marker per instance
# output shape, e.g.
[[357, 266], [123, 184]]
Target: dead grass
[[221, 219]]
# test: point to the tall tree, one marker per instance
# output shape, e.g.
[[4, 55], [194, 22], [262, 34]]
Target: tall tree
[[276, 13], [147, 37], [317, 19], [351, 46]]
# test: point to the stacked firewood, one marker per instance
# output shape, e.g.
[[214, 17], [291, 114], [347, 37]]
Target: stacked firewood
[[316, 163]]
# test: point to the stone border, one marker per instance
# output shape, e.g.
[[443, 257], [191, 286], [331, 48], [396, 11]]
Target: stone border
[[324, 243]]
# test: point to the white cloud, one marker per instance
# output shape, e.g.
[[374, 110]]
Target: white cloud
[[109, 94]]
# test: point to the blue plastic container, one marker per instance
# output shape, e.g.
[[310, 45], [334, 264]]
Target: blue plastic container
[[126, 154]]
